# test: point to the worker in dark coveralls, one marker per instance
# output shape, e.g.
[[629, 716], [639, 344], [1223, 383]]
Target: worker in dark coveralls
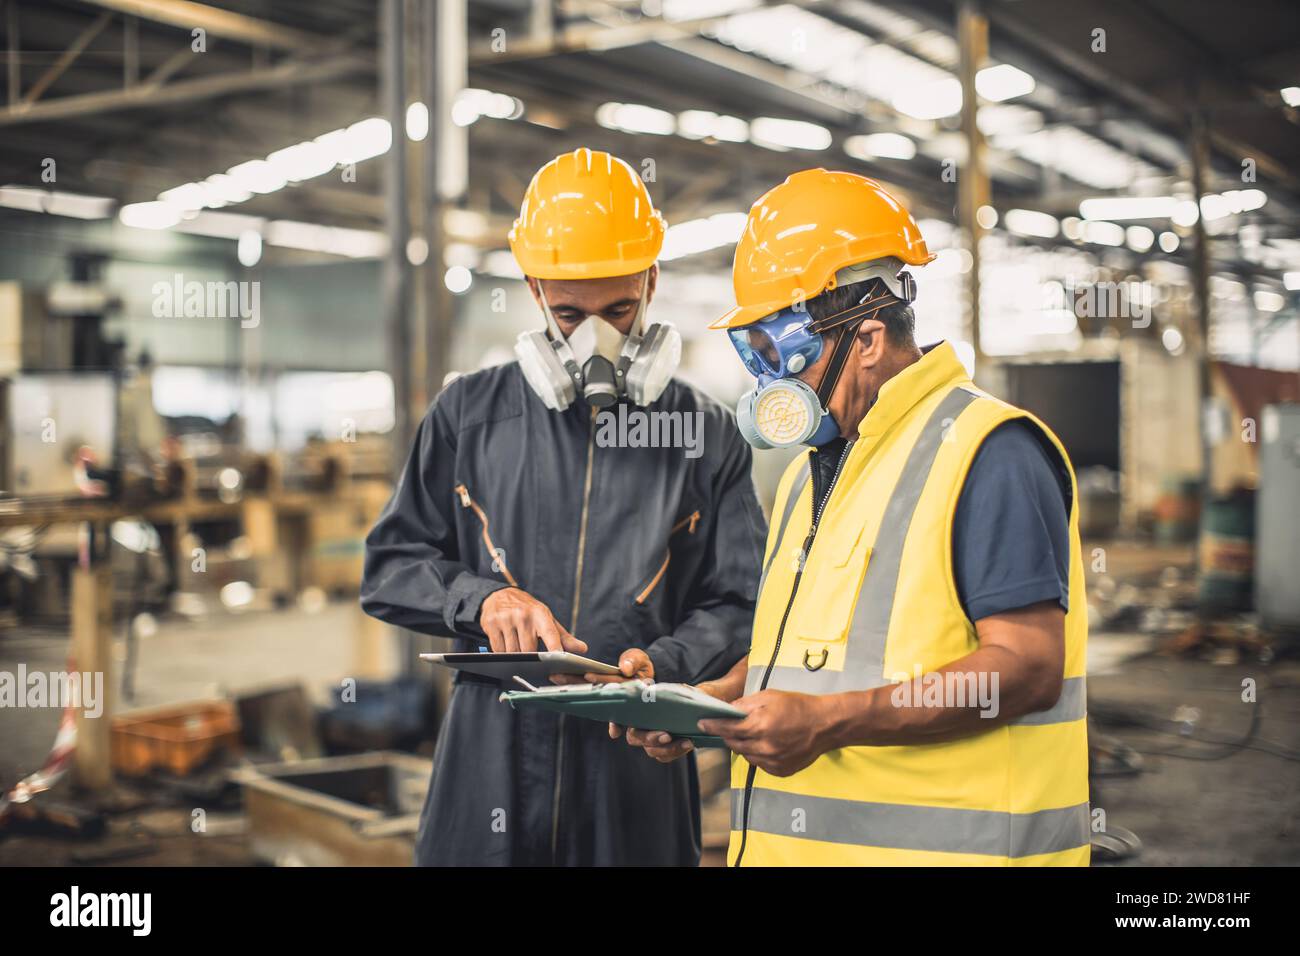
[[527, 519]]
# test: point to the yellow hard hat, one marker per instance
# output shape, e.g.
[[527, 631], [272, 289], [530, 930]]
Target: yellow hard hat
[[800, 233], [586, 215]]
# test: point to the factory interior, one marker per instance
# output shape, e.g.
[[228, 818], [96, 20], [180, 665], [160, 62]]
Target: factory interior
[[244, 244]]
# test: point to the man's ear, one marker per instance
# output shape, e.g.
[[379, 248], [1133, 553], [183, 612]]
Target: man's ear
[[870, 346], [652, 277], [535, 287]]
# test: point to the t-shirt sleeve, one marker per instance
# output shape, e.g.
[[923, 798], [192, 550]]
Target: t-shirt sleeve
[[1011, 532]]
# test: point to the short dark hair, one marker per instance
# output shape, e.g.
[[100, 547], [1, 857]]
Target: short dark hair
[[900, 321]]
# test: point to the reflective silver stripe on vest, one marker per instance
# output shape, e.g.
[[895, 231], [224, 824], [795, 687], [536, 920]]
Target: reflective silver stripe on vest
[[1071, 705], [905, 827], [796, 489], [864, 660]]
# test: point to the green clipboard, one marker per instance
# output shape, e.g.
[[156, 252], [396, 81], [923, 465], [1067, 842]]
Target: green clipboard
[[673, 708]]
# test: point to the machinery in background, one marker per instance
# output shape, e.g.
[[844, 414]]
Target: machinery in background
[[1277, 517]]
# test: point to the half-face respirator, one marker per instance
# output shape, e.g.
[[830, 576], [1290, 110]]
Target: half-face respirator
[[782, 410], [598, 362]]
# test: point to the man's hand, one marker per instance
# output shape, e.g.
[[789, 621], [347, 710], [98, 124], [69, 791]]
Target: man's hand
[[514, 620], [781, 733], [634, 664], [660, 744]]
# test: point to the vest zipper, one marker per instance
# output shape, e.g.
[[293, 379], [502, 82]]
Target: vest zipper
[[780, 633], [689, 522], [573, 629]]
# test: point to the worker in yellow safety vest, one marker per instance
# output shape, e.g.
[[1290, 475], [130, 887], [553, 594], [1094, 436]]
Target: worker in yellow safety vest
[[914, 691]]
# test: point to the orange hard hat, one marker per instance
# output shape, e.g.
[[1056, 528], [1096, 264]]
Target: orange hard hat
[[586, 215], [800, 233]]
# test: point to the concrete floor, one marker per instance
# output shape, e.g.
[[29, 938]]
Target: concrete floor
[[1240, 810]]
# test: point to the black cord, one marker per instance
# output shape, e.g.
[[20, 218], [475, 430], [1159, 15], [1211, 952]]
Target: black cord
[[1119, 714]]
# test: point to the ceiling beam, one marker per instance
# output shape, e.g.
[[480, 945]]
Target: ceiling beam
[[223, 23], [66, 58], [153, 95]]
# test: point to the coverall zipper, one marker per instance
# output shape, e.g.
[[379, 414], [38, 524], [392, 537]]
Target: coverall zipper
[[776, 648], [573, 627], [498, 557]]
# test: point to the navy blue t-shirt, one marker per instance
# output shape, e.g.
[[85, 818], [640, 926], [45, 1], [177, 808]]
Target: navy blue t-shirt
[[1011, 533]]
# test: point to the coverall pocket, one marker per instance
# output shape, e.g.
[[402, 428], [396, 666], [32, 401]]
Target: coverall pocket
[[687, 524]]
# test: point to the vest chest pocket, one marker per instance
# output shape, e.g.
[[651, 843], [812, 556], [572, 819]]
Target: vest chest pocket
[[828, 594]]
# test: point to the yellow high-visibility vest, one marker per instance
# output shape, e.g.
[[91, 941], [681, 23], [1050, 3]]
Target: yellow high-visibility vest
[[874, 602]]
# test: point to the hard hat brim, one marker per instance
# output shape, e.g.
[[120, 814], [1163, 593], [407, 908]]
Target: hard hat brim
[[586, 270], [743, 315]]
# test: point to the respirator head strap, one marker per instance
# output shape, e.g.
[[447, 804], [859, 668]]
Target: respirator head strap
[[866, 307], [839, 356], [558, 341], [635, 338]]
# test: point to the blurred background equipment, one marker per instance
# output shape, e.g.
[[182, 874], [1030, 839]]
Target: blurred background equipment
[[244, 244]]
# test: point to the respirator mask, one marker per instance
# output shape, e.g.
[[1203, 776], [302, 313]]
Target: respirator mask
[[781, 410], [597, 361]]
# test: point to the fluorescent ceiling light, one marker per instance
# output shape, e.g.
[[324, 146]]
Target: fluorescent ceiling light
[[74, 205], [1267, 301], [1007, 120], [880, 146], [150, 215], [24, 197], [931, 101], [943, 97], [458, 279], [1003, 82], [788, 134], [80, 207], [223, 190], [417, 122], [303, 161], [1102, 233], [257, 176], [1291, 95], [1030, 222], [501, 263], [703, 124], [353, 243], [471, 104], [249, 249], [635, 118], [188, 196], [1128, 207], [1139, 238], [700, 235], [220, 225], [364, 140]]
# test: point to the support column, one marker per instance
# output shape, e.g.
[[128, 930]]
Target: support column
[[972, 181], [445, 172], [1200, 149], [92, 650], [396, 281]]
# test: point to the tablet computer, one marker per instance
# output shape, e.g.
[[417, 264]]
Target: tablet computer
[[533, 666]]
